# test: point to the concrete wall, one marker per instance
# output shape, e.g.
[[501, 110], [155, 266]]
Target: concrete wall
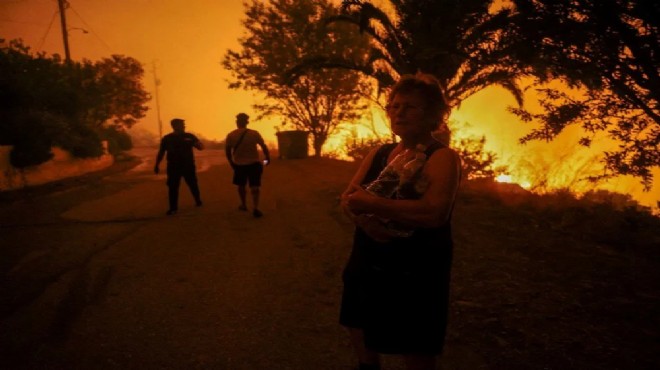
[[61, 166]]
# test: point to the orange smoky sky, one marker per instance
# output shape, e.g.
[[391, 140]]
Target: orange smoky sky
[[186, 40]]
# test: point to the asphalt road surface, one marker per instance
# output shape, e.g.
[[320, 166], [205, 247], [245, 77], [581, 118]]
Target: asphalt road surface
[[95, 276]]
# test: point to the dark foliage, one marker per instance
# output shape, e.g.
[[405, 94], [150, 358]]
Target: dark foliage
[[118, 140], [45, 101], [601, 217], [476, 161], [610, 50], [464, 45], [278, 35], [31, 134]]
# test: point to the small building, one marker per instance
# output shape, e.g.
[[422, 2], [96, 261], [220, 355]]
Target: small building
[[293, 144]]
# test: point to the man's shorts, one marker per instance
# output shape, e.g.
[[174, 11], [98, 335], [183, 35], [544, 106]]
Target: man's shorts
[[248, 174]]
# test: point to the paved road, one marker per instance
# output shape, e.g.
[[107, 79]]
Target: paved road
[[95, 276]]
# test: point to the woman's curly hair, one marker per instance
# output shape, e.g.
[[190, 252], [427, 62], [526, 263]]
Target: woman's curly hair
[[429, 89]]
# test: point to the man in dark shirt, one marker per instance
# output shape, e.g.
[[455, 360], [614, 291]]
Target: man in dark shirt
[[180, 162]]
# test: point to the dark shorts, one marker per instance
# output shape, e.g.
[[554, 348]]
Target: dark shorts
[[398, 293], [248, 174], [399, 314]]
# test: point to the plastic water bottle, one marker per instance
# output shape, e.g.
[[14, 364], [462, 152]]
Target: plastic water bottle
[[409, 174], [387, 182], [407, 186], [411, 168], [398, 177]]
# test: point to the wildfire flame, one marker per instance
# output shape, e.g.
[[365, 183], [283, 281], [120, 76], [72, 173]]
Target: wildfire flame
[[537, 166], [510, 180]]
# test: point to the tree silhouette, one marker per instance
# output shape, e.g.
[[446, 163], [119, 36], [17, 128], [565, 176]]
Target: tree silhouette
[[44, 102], [611, 50], [465, 44], [608, 47], [280, 34], [122, 97]]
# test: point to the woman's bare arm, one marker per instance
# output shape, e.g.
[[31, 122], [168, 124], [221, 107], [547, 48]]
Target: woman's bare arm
[[357, 179], [431, 210]]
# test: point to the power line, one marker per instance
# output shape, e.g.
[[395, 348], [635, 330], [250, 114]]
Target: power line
[[90, 29], [43, 39], [64, 5]]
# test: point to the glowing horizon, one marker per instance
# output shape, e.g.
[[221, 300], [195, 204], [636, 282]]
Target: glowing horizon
[[186, 42]]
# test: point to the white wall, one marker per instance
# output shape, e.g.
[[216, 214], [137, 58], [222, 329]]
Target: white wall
[[61, 166]]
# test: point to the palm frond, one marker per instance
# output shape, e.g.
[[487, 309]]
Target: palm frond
[[513, 87], [322, 62]]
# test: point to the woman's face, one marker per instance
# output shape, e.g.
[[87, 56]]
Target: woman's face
[[407, 114]]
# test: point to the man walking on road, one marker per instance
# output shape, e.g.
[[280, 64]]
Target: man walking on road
[[243, 156], [180, 162]]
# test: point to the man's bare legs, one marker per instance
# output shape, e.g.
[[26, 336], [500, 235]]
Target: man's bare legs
[[255, 200], [241, 195], [366, 357]]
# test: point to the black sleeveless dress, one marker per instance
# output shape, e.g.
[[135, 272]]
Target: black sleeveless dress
[[398, 291]]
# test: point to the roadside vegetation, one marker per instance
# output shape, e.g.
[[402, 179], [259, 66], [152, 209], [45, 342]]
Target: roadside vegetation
[[45, 102]]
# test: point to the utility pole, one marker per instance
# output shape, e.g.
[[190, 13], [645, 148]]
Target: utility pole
[[157, 83], [65, 34]]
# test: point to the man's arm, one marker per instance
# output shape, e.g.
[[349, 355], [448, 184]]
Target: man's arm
[[228, 155], [228, 151], [264, 149], [198, 144], [159, 156]]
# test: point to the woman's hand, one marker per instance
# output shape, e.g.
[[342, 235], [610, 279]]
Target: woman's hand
[[356, 199], [354, 186], [343, 201]]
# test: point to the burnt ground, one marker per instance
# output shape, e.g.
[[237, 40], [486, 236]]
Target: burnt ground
[[95, 276]]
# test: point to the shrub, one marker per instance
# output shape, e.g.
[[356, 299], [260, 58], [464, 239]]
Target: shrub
[[358, 149], [31, 152], [477, 162], [31, 139], [80, 141], [118, 140]]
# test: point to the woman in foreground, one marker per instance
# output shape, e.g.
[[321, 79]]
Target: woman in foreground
[[396, 282]]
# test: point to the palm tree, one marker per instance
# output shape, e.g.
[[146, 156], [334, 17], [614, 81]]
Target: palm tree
[[467, 45], [608, 48]]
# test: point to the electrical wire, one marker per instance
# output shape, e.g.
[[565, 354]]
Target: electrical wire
[[89, 28], [43, 39]]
